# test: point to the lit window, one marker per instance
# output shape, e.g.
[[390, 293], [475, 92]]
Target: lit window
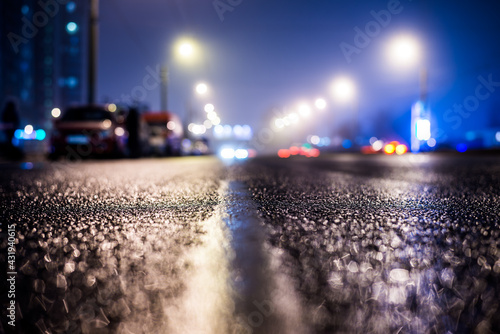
[[71, 82], [70, 7], [71, 27]]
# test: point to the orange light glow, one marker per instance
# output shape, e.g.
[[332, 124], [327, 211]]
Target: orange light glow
[[401, 149], [314, 153], [283, 153], [294, 150], [389, 148]]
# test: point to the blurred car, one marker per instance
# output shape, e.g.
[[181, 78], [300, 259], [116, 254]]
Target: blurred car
[[164, 132], [90, 130]]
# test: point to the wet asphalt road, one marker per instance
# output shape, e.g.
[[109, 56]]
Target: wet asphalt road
[[338, 244]]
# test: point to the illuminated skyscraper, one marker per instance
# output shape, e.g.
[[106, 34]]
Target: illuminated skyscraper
[[43, 58]]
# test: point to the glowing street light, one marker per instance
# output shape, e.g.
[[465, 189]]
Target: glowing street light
[[186, 49], [304, 110], [405, 51], [209, 107], [320, 103], [201, 88], [343, 89], [183, 50]]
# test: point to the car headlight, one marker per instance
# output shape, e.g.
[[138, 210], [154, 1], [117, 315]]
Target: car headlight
[[119, 131]]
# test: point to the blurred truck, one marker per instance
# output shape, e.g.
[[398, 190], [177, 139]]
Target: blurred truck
[[165, 132]]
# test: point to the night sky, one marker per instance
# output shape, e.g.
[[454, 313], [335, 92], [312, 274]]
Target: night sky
[[268, 54]]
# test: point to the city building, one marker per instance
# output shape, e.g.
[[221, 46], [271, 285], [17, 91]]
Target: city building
[[43, 58]]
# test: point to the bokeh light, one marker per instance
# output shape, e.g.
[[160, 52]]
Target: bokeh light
[[389, 148], [404, 50], [112, 107], [343, 89], [209, 107], [28, 129], [201, 88], [56, 112], [401, 149], [320, 103]]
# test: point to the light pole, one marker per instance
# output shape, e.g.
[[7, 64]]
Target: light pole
[[184, 50], [344, 91], [93, 35], [404, 50], [164, 88]]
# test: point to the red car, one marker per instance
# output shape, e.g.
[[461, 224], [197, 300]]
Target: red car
[[88, 131]]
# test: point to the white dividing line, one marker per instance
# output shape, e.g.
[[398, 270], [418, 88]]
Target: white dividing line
[[233, 283], [266, 300], [206, 306]]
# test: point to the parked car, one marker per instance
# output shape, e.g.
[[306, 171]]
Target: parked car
[[165, 132], [90, 130]]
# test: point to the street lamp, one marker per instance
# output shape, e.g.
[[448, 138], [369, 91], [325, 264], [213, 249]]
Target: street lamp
[[344, 91], [201, 88], [184, 50], [405, 51], [320, 103], [304, 110]]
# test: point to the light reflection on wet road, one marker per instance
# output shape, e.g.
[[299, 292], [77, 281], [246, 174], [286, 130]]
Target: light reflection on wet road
[[339, 244]]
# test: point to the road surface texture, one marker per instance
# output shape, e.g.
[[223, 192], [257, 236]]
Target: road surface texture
[[337, 244]]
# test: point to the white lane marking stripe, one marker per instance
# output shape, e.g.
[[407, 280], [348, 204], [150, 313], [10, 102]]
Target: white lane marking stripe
[[268, 302], [206, 306], [234, 283]]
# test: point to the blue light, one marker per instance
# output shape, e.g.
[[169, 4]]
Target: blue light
[[71, 27], [347, 144], [26, 165], [70, 7], [461, 147], [71, 82], [25, 9], [470, 136], [18, 134], [40, 134]]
